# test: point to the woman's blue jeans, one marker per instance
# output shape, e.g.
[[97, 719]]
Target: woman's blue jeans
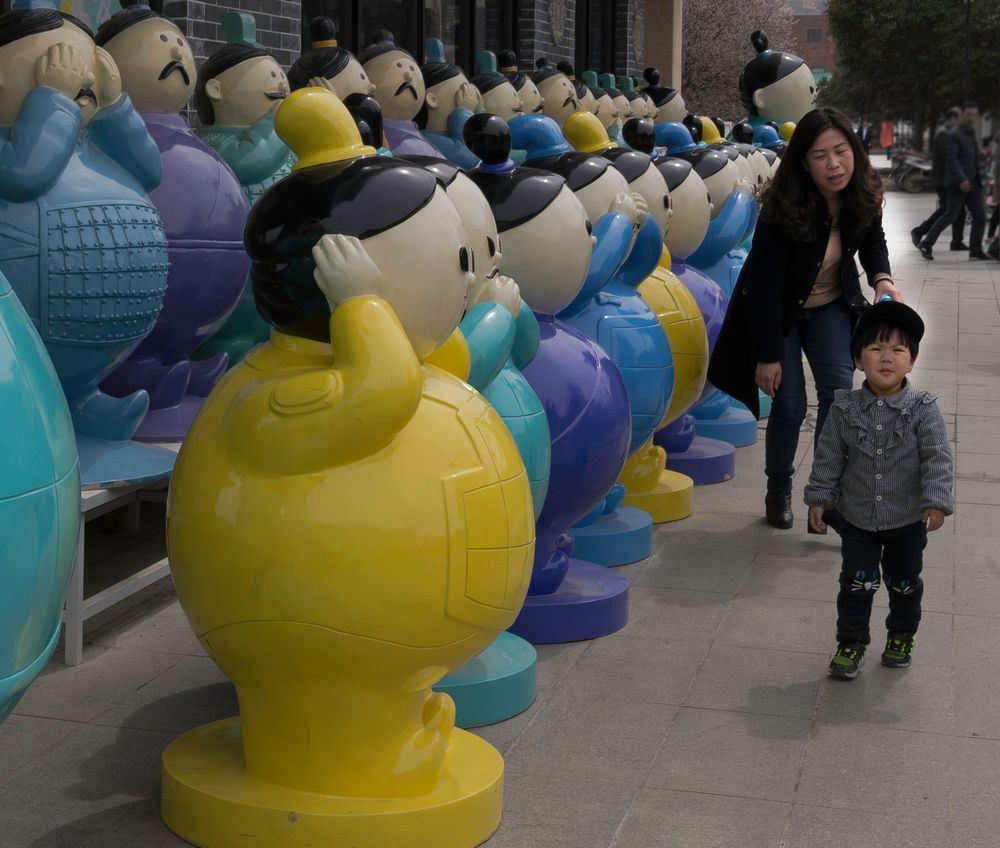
[[823, 334]]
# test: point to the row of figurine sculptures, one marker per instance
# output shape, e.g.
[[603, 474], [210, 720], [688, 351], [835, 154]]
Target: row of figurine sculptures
[[464, 382]]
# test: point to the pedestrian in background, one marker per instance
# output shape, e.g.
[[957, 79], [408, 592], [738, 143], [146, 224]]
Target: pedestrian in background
[[937, 181], [865, 135], [963, 183]]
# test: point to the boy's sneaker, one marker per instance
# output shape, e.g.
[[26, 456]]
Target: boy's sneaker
[[898, 648], [848, 660]]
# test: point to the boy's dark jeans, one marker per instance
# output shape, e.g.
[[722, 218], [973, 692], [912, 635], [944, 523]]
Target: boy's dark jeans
[[900, 553]]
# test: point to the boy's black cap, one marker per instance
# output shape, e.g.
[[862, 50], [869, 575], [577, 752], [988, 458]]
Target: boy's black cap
[[894, 313]]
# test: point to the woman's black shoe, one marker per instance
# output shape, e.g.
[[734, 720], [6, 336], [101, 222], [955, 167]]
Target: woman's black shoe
[[778, 510]]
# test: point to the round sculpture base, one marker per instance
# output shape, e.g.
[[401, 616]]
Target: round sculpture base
[[109, 465], [624, 536], [671, 500], [496, 685], [736, 426], [591, 602], [171, 423], [763, 402], [705, 461], [209, 800]]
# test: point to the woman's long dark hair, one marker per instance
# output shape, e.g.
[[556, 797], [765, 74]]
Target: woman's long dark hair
[[792, 199]]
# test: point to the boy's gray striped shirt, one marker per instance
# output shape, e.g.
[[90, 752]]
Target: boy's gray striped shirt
[[882, 461]]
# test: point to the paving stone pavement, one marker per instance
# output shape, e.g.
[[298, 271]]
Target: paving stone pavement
[[706, 723]]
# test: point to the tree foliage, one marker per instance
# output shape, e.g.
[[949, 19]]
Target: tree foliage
[[716, 41], [905, 59]]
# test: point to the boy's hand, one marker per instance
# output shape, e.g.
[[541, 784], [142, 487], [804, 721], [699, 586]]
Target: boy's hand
[[933, 518], [816, 519]]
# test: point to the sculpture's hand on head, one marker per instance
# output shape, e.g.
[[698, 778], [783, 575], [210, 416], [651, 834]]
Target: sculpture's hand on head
[[344, 269], [64, 69], [625, 203], [502, 290], [319, 82], [109, 79], [642, 209], [468, 97]]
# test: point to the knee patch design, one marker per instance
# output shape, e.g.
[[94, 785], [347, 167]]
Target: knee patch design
[[863, 583]]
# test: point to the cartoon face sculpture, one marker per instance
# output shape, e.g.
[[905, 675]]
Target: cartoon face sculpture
[[242, 94], [154, 57], [691, 204], [324, 60], [775, 86], [447, 89], [498, 96], [399, 85], [559, 97], [607, 110], [668, 101], [34, 60]]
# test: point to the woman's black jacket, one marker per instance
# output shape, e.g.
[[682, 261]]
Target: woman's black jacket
[[775, 281]]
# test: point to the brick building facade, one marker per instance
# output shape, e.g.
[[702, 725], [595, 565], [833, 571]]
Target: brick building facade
[[813, 36]]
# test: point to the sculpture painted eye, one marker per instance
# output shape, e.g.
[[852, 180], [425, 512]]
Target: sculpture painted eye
[[492, 246], [163, 37], [463, 258], [180, 41], [273, 75], [590, 229]]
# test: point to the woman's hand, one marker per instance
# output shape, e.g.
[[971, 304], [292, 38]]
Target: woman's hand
[[885, 286], [768, 377]]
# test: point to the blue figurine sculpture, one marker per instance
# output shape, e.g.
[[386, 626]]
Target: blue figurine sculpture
[[80, 240], [39, 502]]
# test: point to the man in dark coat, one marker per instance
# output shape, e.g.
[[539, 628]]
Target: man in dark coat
[[937, 181], [963, 183]]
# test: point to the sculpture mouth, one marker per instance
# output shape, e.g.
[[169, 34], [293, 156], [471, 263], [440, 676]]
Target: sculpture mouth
[[406, 87], [493, 273], [570, 101], [275, 95], [175, 66], [85, 94], [538, 108]]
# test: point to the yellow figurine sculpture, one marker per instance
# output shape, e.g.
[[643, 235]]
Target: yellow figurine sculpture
[[668, 495], [346, 523]]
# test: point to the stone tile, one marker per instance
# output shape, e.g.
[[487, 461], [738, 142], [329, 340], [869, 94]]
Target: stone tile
[[713, 530], [564, 813], [166, 631], [813, 578], [856, 767], [667, 819], [977, 521], [25, 738], [504, 734], [673, 615], [921, 697], [823, 827], [779, 624], [797, 542], [977, 699], [978, 434], [172, 711], [140, 827], [727, 753], [89, 779], [654, 672], [755, 680], [977, 588], [106, 677], [592, 739], [705, 570], [555, 662]]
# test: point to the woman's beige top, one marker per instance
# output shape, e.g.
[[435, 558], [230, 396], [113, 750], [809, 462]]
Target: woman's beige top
[[826, 289]]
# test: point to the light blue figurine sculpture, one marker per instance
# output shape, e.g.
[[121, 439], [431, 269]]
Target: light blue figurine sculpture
[[39, 501], [80, 241], [449, 102], [239, 87], [502, 336]]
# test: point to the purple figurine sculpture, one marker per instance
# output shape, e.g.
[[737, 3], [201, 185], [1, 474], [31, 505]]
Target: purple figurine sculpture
[[203, 210]]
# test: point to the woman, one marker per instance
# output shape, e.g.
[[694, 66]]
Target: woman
[[799, 291]]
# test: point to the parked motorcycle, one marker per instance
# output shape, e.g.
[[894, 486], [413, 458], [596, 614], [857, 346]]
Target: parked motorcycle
[[911, 171]]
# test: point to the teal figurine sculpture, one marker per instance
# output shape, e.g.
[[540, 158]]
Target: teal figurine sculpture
[[39, 501], [239, 87]]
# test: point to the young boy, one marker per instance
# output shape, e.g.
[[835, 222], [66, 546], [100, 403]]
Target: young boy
[[884, 462]]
